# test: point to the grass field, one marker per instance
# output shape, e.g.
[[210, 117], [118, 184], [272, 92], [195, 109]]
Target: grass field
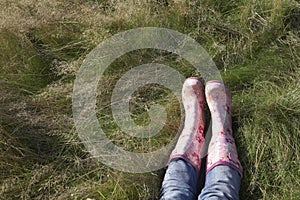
[[255, 44]]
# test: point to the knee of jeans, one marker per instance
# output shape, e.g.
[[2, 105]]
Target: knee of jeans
[[173, 193], [222, 182]]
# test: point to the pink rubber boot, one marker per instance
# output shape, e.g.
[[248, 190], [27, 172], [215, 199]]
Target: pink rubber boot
[[191, 138], [222, 149]]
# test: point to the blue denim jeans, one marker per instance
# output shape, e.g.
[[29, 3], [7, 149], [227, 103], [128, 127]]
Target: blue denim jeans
[[181, 179]]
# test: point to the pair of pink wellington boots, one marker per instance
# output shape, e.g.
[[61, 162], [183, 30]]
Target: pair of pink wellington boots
[[222, 148]]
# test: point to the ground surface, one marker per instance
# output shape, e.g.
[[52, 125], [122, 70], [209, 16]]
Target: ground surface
[[255, 45]]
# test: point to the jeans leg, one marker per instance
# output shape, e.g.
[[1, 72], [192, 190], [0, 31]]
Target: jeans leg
[[180, 181], [222, 182]]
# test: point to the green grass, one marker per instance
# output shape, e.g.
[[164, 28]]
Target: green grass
[[255, 44]]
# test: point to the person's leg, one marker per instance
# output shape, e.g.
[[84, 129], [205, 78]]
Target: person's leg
[[181, 178], [180, 181], [224, 170], [221, 182]]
